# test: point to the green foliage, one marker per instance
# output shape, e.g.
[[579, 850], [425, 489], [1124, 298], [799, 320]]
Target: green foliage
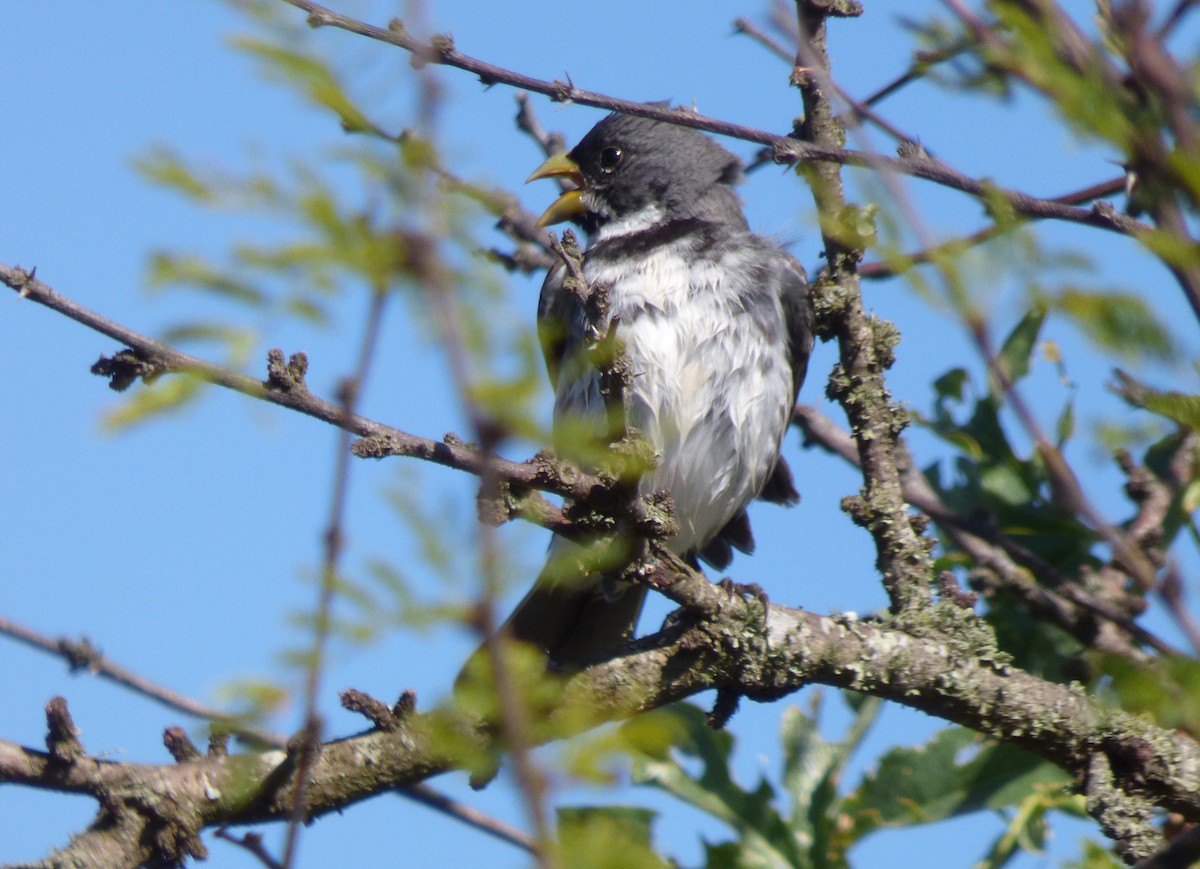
[[1117, 322], [607, 837], [370, 218], [990, 473], [1180, 408], [252, 700], [764, 837], [1094, 857], [1018, 347], [1169, 692], [992, 482], [167, 396], [956, 773], [312, 78]]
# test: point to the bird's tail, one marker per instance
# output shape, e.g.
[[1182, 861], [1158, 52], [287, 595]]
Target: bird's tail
[[576, 624], [573, 614]]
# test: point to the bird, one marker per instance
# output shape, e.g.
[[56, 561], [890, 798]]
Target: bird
[[715, 325]]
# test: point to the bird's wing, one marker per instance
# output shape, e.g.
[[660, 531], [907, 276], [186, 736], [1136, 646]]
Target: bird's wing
[[798, 318], [557, 310]]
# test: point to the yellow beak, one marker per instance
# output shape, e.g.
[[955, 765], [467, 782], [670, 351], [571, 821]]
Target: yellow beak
[[569, 203]]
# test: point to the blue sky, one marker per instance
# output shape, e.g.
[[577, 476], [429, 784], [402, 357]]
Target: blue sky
[[185, 548]]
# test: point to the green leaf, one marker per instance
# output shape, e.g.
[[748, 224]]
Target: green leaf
[[1018, 347], [165, 396], [237, 340], [1065, 427], [812, 769], [1170, 692], [607, 837], [311, 77], [1006, 483], [191, 271], [163, 167], [254, 699], [1122, 323], [765, 838], [1179, 407], [809, 772], [1027, 827], [956, 772], [1095, 856], [952, 385]]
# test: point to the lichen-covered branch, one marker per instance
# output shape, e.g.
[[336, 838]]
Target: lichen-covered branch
[[1004, 565], [865, 343], [157, 811]]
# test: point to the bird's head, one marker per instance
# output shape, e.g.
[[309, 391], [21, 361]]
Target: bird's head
[[633, 173]]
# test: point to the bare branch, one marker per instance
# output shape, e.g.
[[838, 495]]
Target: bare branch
[[333, 543], [485, 823], [786, 149], [82, 655], [880, 270], [379, 440]]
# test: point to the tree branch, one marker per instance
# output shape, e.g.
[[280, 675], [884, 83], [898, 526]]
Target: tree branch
[[82, 655], [1057, 597], [285, 389], [865, 344], [786, 149], [958, 678]]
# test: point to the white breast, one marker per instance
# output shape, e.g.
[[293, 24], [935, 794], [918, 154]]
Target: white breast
[[710, 390]]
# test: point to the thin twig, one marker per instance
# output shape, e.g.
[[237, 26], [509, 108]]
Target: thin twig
[[439, 802], [253, 843], [1174, 18], [1173, 594], [786, 149], [1056, 596], [749, 28], [82, 655], [514, 721], [379, 439], [528, 123], [880, 270], [922, 62], [333, 542]]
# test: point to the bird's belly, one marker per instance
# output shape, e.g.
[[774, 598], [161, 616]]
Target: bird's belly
[[709, 390]]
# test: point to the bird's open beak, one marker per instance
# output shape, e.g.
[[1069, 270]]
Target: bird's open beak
[[569, 203]]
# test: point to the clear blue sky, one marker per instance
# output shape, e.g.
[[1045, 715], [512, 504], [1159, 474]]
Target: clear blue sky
[[185, 548]]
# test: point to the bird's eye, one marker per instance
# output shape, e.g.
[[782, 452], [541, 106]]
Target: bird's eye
[[610, 157]]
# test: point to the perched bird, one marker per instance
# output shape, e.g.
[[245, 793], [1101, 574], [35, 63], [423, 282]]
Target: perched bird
[[716, 326]]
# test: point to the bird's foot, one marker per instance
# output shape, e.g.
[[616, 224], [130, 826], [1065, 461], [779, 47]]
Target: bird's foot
[[747, 589]]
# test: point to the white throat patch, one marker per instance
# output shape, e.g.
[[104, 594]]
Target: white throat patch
[[651, 215]]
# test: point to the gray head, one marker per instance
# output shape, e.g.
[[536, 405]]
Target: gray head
[[635, 169]]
